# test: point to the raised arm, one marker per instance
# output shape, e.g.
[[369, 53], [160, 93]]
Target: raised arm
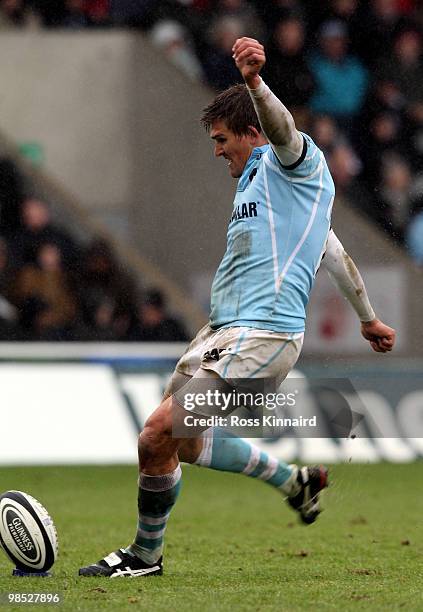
[[347, 278], [275, 119]]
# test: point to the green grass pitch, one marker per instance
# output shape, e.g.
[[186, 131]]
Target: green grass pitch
[[232, 544]]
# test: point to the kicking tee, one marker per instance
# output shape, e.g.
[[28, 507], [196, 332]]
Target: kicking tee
[[275, 242]]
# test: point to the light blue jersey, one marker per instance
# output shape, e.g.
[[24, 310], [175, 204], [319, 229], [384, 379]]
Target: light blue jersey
[[276, 239]]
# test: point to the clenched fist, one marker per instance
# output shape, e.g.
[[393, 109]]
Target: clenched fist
[[380, 336], [249, 58]]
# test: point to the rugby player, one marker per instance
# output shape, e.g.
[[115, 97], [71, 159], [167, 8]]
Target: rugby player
[[278, 233]]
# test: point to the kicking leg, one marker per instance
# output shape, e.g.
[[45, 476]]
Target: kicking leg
[[221, 450]]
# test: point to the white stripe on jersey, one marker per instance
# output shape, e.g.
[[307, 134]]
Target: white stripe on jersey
[[272, 230], [307, 229]]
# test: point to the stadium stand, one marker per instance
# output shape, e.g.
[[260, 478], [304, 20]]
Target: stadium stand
[[355, 68], [55, 287], [371, 132]]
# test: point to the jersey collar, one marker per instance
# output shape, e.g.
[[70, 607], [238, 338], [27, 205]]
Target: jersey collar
[[256, 154]]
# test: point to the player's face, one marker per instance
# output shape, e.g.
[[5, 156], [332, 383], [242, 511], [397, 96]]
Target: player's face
[[236, 149]]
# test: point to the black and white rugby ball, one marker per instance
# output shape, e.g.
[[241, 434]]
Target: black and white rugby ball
[[27, 533]]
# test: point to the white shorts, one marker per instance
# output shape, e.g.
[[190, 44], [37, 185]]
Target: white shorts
[[235, 353]]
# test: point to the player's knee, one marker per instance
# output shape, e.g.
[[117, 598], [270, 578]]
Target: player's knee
[[148, 443], [151, 438], [156, 435]]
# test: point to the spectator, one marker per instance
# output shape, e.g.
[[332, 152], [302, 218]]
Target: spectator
[[344, 166], [273, 11], [173, 39], [78, 14], [145, 14], [342, 160], [393, 203], [5, 272], [51, 11], [154, 324], [102, 278], [346, 11], [383, 114], [218, 64], [341, 79], [325, 133], [97, 12], [75, 17], [405, 65], [384, 96], [8, 313], [288, 74], [413, 135], [414, 238], [130, 13], [15, 14], [11, 195], [43, 294], [379, 22], [384, 136], [414, 229], [407, 7], [37, 228], [100, 321], [244, 12]]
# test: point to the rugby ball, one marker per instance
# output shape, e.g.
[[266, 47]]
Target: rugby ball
[[27, 532]]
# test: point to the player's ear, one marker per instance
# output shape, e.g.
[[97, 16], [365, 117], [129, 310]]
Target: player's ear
[[253, 132]]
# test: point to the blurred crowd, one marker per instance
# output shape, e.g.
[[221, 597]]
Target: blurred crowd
[[54, 288], [350, 70]]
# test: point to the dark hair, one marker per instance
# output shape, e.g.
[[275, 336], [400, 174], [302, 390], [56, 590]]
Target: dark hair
[[233, 106]]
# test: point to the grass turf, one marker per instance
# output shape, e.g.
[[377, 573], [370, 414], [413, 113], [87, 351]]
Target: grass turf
[[233, 545]]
